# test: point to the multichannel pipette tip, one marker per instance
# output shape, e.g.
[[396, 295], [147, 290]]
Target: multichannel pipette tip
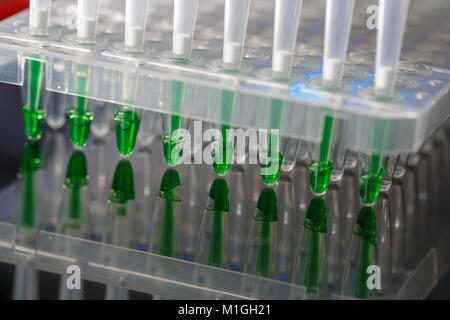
[[39, 17], [31, 158], [170, 180], [316, 216], [366, 225], [122, 189], [135, 22], [219, 193], [76, 175], [87, 17], [267, 206], [184, 19]]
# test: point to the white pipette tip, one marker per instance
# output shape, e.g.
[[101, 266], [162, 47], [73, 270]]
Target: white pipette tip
[[135, 23], [184, 19], [87, 17], [332, 72], [392, 16], [287, 17], [235, 28], [337, 32], [39, 16], [182, 45]]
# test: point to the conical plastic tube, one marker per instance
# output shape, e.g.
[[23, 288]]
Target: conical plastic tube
[[184, 19], [391, 26], [287, 18], [135, 23], [235, 28], [87, 17], [39, 17], [337, 31]]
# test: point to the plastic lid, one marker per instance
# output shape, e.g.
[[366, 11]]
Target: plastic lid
[[219, 193], [31, 158], [366, 225], [170, 180], [76, 175], [122, 188], [267, 205], [316, 216]]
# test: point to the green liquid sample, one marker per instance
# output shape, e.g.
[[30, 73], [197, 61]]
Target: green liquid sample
[[172, 139], [320, 175], [312, 265], [27, 218], [33, 121], [320, 172], [361, 288], [127, 127], [215, 248], [167, 232], [370, 187], [263, 254], [79, 127], [226, 154], [173, 150], [272, 169]]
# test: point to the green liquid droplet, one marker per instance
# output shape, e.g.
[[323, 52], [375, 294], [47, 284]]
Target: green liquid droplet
[[173, 150], [320, 174], [79, 126], [33, 121], [271, 170], [127, 127], [370, 187]]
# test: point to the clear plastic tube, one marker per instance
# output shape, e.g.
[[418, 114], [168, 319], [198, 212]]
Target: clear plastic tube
[[391, 26], [287, 18], [87, 20], [236, 18], [184, 18], [135, 23], [39, 16], [337, 31]]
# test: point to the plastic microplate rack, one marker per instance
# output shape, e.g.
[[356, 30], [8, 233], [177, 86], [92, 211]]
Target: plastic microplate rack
[[421, 103], [420, 106]]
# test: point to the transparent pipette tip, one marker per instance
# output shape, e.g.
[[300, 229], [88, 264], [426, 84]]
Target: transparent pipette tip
[[185, 16], [39, 17], [287, 17], [337, 31], [127, 120], [135, 23], [391, 25], [87, 18], [236, 18], [169, 182]]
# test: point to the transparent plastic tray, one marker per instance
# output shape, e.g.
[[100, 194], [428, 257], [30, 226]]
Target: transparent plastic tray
[[422, 100]]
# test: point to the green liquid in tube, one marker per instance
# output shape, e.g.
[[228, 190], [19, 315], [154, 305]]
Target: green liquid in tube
[[173, 140], [226, 154], [320, 172], [371, 183], [33, 114], [127, 127]]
